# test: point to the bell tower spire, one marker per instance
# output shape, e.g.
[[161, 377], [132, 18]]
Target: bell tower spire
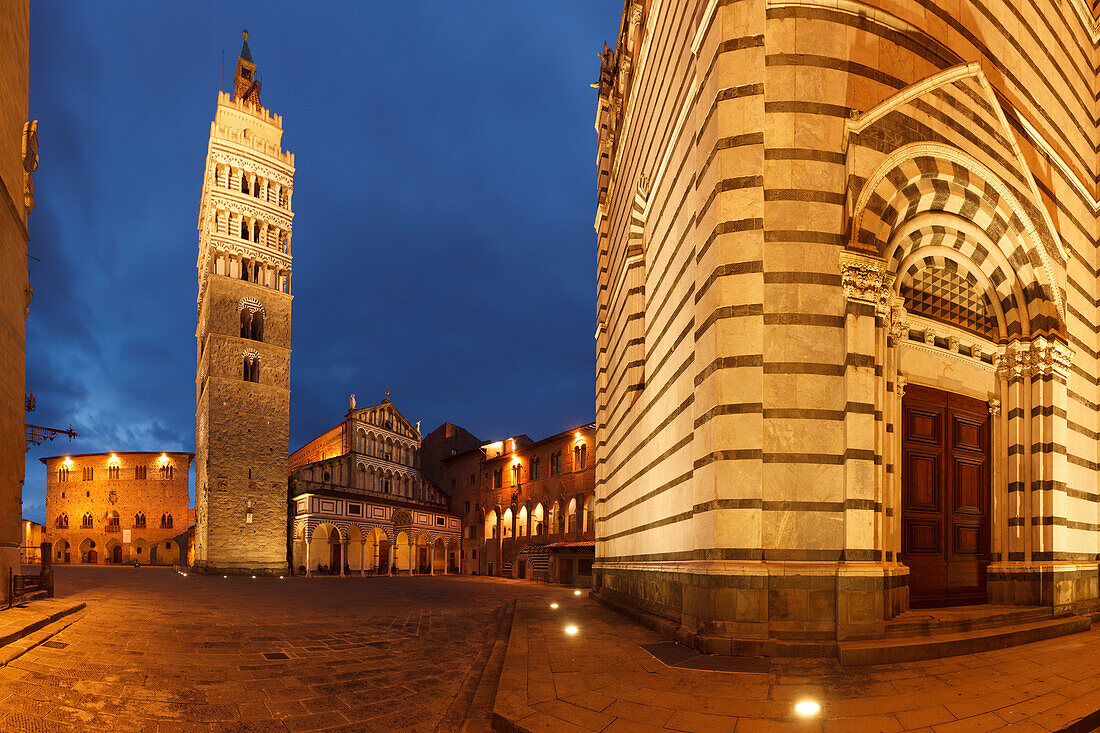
[[246, 86]]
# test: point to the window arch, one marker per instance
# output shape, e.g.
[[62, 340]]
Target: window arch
[[251, 367], [63, 474], [244, 232], [166, 471], [62, 521], [252, 324], [166, 521], [244, 183], [87, 522], [139, 520]]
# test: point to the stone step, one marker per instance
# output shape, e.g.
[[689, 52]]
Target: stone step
[[921, 624], [912, 649]]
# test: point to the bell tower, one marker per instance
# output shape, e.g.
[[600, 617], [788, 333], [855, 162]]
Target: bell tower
[[242, 376]]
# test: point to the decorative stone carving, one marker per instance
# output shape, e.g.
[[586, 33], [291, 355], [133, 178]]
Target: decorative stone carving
[[226, 203], [1050, 357], [252, 305], [30, 162], [865, 278], [899, 385], [1041, 356], [235, 161], [994, 406]]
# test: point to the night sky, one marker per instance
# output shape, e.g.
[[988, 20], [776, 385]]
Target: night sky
[[444, 199]]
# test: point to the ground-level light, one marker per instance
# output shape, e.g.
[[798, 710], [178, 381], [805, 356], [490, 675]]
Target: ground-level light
[[806, 708], [570, 630]]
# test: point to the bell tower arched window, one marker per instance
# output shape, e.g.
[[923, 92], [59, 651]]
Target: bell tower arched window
[[251, 368]]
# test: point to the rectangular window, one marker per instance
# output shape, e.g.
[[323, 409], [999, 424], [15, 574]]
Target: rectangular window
[[440, 521], [535, 469], [498, 478], [467, 507], [355, 509], [140, 472], [454, 484], [472, 479]]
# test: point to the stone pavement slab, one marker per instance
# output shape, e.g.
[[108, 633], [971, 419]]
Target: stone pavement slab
[[602, 679], [156, 651], [25, 618]]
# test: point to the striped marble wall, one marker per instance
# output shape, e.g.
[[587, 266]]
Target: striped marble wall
[[802, 206]]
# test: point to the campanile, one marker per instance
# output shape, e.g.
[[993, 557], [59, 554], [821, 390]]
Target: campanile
[[242, 376]]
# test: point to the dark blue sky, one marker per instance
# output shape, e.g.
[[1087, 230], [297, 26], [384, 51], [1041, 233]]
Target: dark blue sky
[[444, 199]]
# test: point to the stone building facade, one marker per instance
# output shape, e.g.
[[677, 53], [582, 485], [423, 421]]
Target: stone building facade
[[118, 508], [847, 322], [30, 550], [18, 158], [359, 502], [242, 380], [527, 507]]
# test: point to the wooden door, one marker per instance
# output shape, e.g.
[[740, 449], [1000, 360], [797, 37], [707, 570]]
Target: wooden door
[[566, 571], [945, 478], [334, 558], [384, 556]]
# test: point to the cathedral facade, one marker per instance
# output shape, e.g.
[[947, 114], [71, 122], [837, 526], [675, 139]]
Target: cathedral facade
[[847, 313], [242, 380], [360, 504]]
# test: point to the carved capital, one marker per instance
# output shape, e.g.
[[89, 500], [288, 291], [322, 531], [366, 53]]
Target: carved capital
[[994, 406], [1039, 357], [865, 278], [1051, 357], [899, 385]]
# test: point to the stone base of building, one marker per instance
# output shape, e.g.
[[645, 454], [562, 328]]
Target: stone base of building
[[1064, 586], [258, 569], [809, 609], [815, 603]]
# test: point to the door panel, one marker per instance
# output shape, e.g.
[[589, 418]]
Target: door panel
[[924, 495], [945, 497]]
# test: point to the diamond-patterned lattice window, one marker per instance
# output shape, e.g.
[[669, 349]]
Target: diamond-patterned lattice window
[[948, 297]]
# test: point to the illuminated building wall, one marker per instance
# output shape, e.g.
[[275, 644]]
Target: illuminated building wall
[[118, 508], [242, 380], [14, 286], [527, 507], [805, 212]]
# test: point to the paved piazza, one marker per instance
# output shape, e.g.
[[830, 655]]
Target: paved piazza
[[156, 651]]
